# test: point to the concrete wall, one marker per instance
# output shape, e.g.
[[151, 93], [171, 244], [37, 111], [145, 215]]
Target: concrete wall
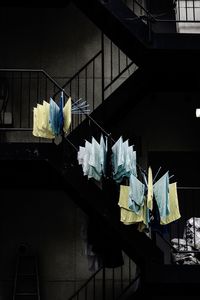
[[51, 224], [165, 121], [59, 40]]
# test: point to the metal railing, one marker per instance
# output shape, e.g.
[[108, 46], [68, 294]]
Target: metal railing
[[101, 75], [26, 88], [185, 14], [109, 283]]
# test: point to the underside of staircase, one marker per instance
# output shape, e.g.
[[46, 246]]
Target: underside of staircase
[[131, 35]]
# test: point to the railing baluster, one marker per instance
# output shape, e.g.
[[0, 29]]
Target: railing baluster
[[86, 85], [129, 269], [113, 283], [12, 96], [20, 100], [103, 284], [121, 277], [186, 10], [102, 67], [119, 61], [111, 61], [78, 94], [94, 287], [93, 85], [29, 100], [193, 6]]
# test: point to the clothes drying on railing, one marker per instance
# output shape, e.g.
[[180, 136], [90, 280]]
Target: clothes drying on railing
[[92, 157], [41, 125], [51, 119], [136, 200], [190, 243], [123, 160]]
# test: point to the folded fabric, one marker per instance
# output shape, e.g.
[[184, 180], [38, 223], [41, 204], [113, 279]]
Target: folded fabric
[[161, 193], [136, 194], [41, 126], [173, 206], [54, 117], [127, 216], [67, 115]]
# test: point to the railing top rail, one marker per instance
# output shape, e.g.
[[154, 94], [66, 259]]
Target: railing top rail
[[85, 284], [60, 88], [145, 10], [85, 66], [37, 71]]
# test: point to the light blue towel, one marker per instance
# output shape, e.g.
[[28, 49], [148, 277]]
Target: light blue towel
[[161, 193], [136, 194]]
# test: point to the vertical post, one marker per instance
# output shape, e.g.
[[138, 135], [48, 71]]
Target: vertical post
[[102, 66], [86, 87], [21, 94], [29, 100], [103, 284], [94, 287], [113, 283], [93, 85]]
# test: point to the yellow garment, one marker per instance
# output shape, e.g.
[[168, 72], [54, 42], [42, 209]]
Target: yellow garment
[[150, 189], [173, 205], [35, 130], [127, 216], [45, 124], [67, 115], [41, 126]]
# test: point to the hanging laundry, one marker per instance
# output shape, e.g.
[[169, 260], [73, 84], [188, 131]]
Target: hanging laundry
[[84, 156], [67, 115], [60, 115], [161, 193], [136, 194], [127, 215], [103, 154], [41, 127], [54, 117], [123, 160], [150, 189], [95, 167], [92, 157], [173, 206]]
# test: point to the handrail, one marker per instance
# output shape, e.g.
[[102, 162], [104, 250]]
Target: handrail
[[128, 286], [165, 240], [60, 88], [156, 19], [81, 69], [145, 10], [85, 283], [118, 76]]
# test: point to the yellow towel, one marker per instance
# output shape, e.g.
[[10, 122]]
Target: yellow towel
[[150, 189], [173, 206], [67, 115], [127, 216]]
